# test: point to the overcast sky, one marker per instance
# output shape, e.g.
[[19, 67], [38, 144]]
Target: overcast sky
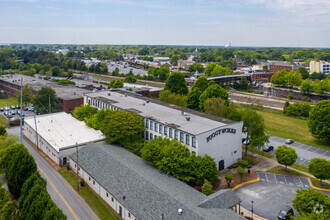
[[280, 23]]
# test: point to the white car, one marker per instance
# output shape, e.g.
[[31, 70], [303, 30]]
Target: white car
[[289, 141]]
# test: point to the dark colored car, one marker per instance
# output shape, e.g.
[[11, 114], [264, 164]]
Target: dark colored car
[[1, 109], [18, 107], [268, 148], [285, 213]]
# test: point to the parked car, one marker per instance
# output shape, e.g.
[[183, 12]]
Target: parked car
[[246, 142], [289, 141], [285, 213], [1, 109], [13, 107], [13, 112], [26, 108], [267, 148], [18, 107], [6, 108]]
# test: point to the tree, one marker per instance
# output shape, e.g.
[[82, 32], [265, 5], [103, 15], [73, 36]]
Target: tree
[[27, 91], [21, 166], [220, 71], [244, 83], [254, 126], [304, 72], [293, 78], [279, 77], [209, 68], [130, 78], [204, 168], [306, 87], [229, 178], [176, 99], [310, 201], [177, 84], [215, 106], [320, 168], [45, 101], [213, 91], [123, 128], [201, 83], [174, 60], [319, 120], [193, 98], [196, 66], [104, 68], [56, 71], [83, 112], [115, 72], [2, 131], [207, 188], [240, 171], [233, 113], [286, 155], [10, 211]]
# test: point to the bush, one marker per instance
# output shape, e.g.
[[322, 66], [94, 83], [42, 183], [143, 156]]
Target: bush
[[297, 109], [290, 96], [82, 182], [243, 163], [68, 167], [207, 188], [229, 178]]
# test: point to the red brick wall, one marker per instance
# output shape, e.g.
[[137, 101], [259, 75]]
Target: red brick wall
[[277, 68], [69, 105]]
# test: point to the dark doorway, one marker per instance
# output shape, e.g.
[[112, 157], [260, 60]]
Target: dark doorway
[[120, 211], [221, 165], [64, 160]]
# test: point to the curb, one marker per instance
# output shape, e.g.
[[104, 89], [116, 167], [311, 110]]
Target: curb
[[311, 184], [251, 181]]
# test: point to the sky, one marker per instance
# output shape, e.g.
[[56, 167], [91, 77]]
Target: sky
[[264, 23]]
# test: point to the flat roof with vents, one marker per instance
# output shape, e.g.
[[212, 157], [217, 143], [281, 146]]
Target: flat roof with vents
[[62, 131]]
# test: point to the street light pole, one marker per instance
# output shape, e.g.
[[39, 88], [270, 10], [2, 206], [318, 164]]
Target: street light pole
[[77, 169], [252, 208]]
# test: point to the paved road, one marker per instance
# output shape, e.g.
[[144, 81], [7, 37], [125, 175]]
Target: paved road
[[272, 193], [59, 189], [305, 152]]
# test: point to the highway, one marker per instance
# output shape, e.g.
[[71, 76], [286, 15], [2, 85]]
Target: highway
[[64, 196]]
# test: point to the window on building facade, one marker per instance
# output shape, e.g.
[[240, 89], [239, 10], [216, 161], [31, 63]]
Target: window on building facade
[[70, 103], [156, 127], [193, 141], [181, 137], [160, 128], [129, 215], [147, 123], [107, 194], [155, 137], [93, 182], [89, 178], [193, 152], [176, 134], [187, 139], [151, 136], [165, 130], [147, 135], [170, 131], [151, 125], [78, 102], [112, 199]]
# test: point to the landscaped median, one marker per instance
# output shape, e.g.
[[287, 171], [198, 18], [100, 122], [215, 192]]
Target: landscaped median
[[94, 202]]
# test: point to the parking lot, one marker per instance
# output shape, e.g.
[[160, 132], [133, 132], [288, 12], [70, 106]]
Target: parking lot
[[122, 69], [14, 113]]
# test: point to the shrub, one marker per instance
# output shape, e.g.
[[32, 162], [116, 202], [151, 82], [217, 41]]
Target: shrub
[[297, 109], [243, 163], [68, 167], [229, 178], [82, 182], [207, 188], [290, 96]]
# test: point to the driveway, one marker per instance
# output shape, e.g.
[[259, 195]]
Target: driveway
[[272, 193]]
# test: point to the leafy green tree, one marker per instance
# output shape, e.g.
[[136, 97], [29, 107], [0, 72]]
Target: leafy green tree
[[297, 109], [130, 78], [21, 166], [215, 106], [207, 188], [304, 72], [320, 168], [104, 68], [84, 112], [306, 87], [7, 151], [177, 84], [286, 155], [204, 168], [54, 213], [279, 77], [232, 64], [244, 83], [220, 71], [176, 99], [27, 94], [2, 131], [42, 99], [174, 60], [4, 197], [254, 126], [10, 211], [213, 91], [310, 201], [196, 66], [115, 72], [152, 149], [293, 78], [209, 68], [32, 194], [240, 171], [229, 178], [193, 98], [56, 71], [201, 83], [123, 128], [95, 120], [233, 113], [319, 120]]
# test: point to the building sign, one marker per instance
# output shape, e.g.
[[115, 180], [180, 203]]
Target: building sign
[[220, 131]]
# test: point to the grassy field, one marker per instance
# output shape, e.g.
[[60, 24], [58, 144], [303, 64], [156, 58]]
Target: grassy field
[[316, 183], [285, 172], [96, 204], [10, 101], [290, 128], [262, 153], [300, 167], [3, 121]]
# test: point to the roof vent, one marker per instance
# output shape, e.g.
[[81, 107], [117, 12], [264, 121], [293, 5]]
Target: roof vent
[[188, 118], [109, 94], [124, 197], [147, 101], [180, 211]]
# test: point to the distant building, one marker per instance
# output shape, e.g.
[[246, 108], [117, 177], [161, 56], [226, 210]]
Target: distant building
[[136, 190], [58, 135], [69, 96], [202, 133], [320, 67], [145, 90], [185, 63]]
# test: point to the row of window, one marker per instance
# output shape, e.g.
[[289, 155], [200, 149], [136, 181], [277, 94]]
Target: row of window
[[170, 132]]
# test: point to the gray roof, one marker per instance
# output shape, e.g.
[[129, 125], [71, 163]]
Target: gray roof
[[146, 192]]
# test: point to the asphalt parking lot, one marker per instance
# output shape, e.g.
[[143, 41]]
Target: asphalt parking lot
[[272, 193], [122, 69], [16, 116]]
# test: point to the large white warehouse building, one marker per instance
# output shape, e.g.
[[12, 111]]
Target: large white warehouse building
[[202, 133]]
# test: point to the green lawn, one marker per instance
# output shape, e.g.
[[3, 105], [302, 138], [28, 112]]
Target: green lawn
[[3, 121], [262, 153], [300, 167], [285, 172], [316, 183], [8, 102], [96, 204], [290, 128]]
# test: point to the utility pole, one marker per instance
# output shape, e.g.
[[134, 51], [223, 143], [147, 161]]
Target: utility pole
[[77, 168], [49, 104], [35, 123], [21, 139]]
